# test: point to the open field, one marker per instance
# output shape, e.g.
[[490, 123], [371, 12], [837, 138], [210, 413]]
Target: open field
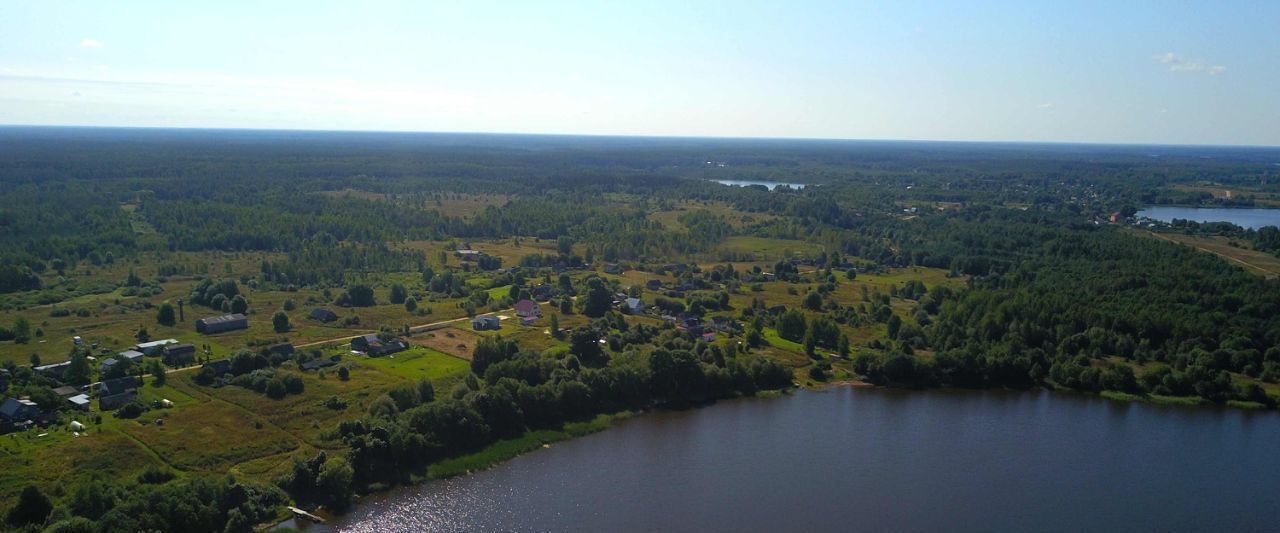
[[420, 362], [1260, 263], [769, 249], [670, 219]]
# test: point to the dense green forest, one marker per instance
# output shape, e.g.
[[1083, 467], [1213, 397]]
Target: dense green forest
[[1043, 288]]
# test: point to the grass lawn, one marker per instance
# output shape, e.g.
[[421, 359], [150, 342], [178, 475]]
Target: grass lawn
[[419, 362], [771, 336]]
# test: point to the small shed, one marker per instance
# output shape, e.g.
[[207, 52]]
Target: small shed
[[79, 402]]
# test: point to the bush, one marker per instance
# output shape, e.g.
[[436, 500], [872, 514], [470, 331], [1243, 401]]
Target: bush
[[155, 475], [132, 409]]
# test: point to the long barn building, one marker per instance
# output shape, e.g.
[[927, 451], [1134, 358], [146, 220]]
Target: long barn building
[[219, 324]]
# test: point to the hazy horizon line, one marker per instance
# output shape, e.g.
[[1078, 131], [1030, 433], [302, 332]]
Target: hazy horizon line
[[643, 136]]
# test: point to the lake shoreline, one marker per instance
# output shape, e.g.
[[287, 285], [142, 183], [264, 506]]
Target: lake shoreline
[[499, 453]]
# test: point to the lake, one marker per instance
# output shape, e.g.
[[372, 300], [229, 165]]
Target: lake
[[874, 460], [1244, 217], [770, 184]]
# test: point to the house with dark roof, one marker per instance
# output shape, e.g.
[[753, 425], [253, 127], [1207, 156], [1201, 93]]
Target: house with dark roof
[[612, 268], [542, 292], [114, 393], [179, 355], [528, 308], [486, 322], [653, 284], [319, 362], [66, 391], [282, 348], [57, 370], [323, 315], [107, 364], [373, 346], [689, 324], [219, 367], [17, 410], [219, 324]]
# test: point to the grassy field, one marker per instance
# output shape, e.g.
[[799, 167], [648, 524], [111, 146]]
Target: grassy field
[[767, 249], [738, 220], [1260, 263], [420, 362]]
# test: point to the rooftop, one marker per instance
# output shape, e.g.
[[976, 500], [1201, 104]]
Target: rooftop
[[224, 318]]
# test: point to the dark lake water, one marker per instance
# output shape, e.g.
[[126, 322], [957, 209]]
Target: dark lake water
[[875, 460], [1244, 217], [770, 184]]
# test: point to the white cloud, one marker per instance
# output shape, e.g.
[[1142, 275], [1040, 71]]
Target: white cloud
[[1177, 63], [90, 43], [1045, 105]]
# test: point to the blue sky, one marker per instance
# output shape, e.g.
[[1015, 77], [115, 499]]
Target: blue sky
[[1188, 72]]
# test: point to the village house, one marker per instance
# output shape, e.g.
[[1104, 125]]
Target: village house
[[486, 322], [154, 347], [691, 325], [107, 364], [653, 284], [179, 355], [319, 362], [56, 370], [612, 268], [469, 255], [373, 346], [633, 306], [323, 315], [528, 308], [18, 414], [219, 367], [133, 356], [280, 350], [79, 402], [66, 391], [219, 324], [542, 292], [114, 393]]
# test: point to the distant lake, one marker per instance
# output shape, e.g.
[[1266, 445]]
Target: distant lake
[[1244, 217], [770, 184], [875, 460]]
